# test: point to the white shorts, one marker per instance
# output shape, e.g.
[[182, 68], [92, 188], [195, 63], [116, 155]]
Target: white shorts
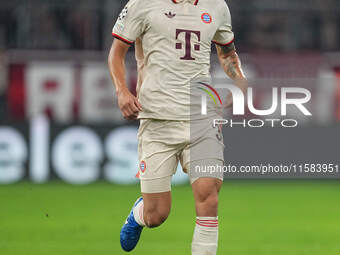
[[162, 144]]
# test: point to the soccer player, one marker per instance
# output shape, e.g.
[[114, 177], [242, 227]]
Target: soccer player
[[173, 45]]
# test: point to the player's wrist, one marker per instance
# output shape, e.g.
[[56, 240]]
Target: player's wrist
[[120, 90]]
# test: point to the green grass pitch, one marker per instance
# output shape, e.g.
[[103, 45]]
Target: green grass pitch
[[256, 218]]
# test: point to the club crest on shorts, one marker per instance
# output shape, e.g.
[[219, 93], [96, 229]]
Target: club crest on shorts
[[142, 166], [206, 18]]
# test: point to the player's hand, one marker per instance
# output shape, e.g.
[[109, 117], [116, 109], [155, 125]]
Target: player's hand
[[128, 104]]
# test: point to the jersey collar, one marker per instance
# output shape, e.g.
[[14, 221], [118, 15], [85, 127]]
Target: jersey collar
[[194, 2]]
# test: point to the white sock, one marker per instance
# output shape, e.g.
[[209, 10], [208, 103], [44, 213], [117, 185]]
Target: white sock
[[138, 212], [205, 237]]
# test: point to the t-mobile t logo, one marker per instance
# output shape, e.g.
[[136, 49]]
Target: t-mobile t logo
[[179, 46]]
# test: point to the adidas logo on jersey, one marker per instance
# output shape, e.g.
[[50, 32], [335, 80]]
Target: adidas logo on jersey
[[170, 15]]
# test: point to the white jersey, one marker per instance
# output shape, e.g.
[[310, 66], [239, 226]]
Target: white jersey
[[176, 37]]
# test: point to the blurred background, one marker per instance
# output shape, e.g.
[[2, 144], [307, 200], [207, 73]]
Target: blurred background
[[54, 79], [60, 123]]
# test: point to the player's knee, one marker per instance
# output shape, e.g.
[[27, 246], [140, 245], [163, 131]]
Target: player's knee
[[208, 199], [211, 201], [155, 219]]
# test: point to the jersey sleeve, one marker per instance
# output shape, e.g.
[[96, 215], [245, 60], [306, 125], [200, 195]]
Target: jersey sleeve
[[224, 34], [130, 23]]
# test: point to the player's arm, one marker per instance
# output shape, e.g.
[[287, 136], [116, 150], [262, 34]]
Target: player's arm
[[231, 65], [128, 103]]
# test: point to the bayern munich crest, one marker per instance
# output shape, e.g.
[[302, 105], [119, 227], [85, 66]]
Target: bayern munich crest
[[206, 18], [142, 166]]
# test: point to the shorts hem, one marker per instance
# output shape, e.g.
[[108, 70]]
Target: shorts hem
[[153, 179], [209, 158], [192, 181], [159, 185]]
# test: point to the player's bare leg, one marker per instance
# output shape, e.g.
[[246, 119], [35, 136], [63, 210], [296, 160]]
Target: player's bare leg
[[156, 208], [206, 230], [149, 211]]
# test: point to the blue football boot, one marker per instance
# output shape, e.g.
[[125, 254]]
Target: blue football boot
[[131, 230]]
